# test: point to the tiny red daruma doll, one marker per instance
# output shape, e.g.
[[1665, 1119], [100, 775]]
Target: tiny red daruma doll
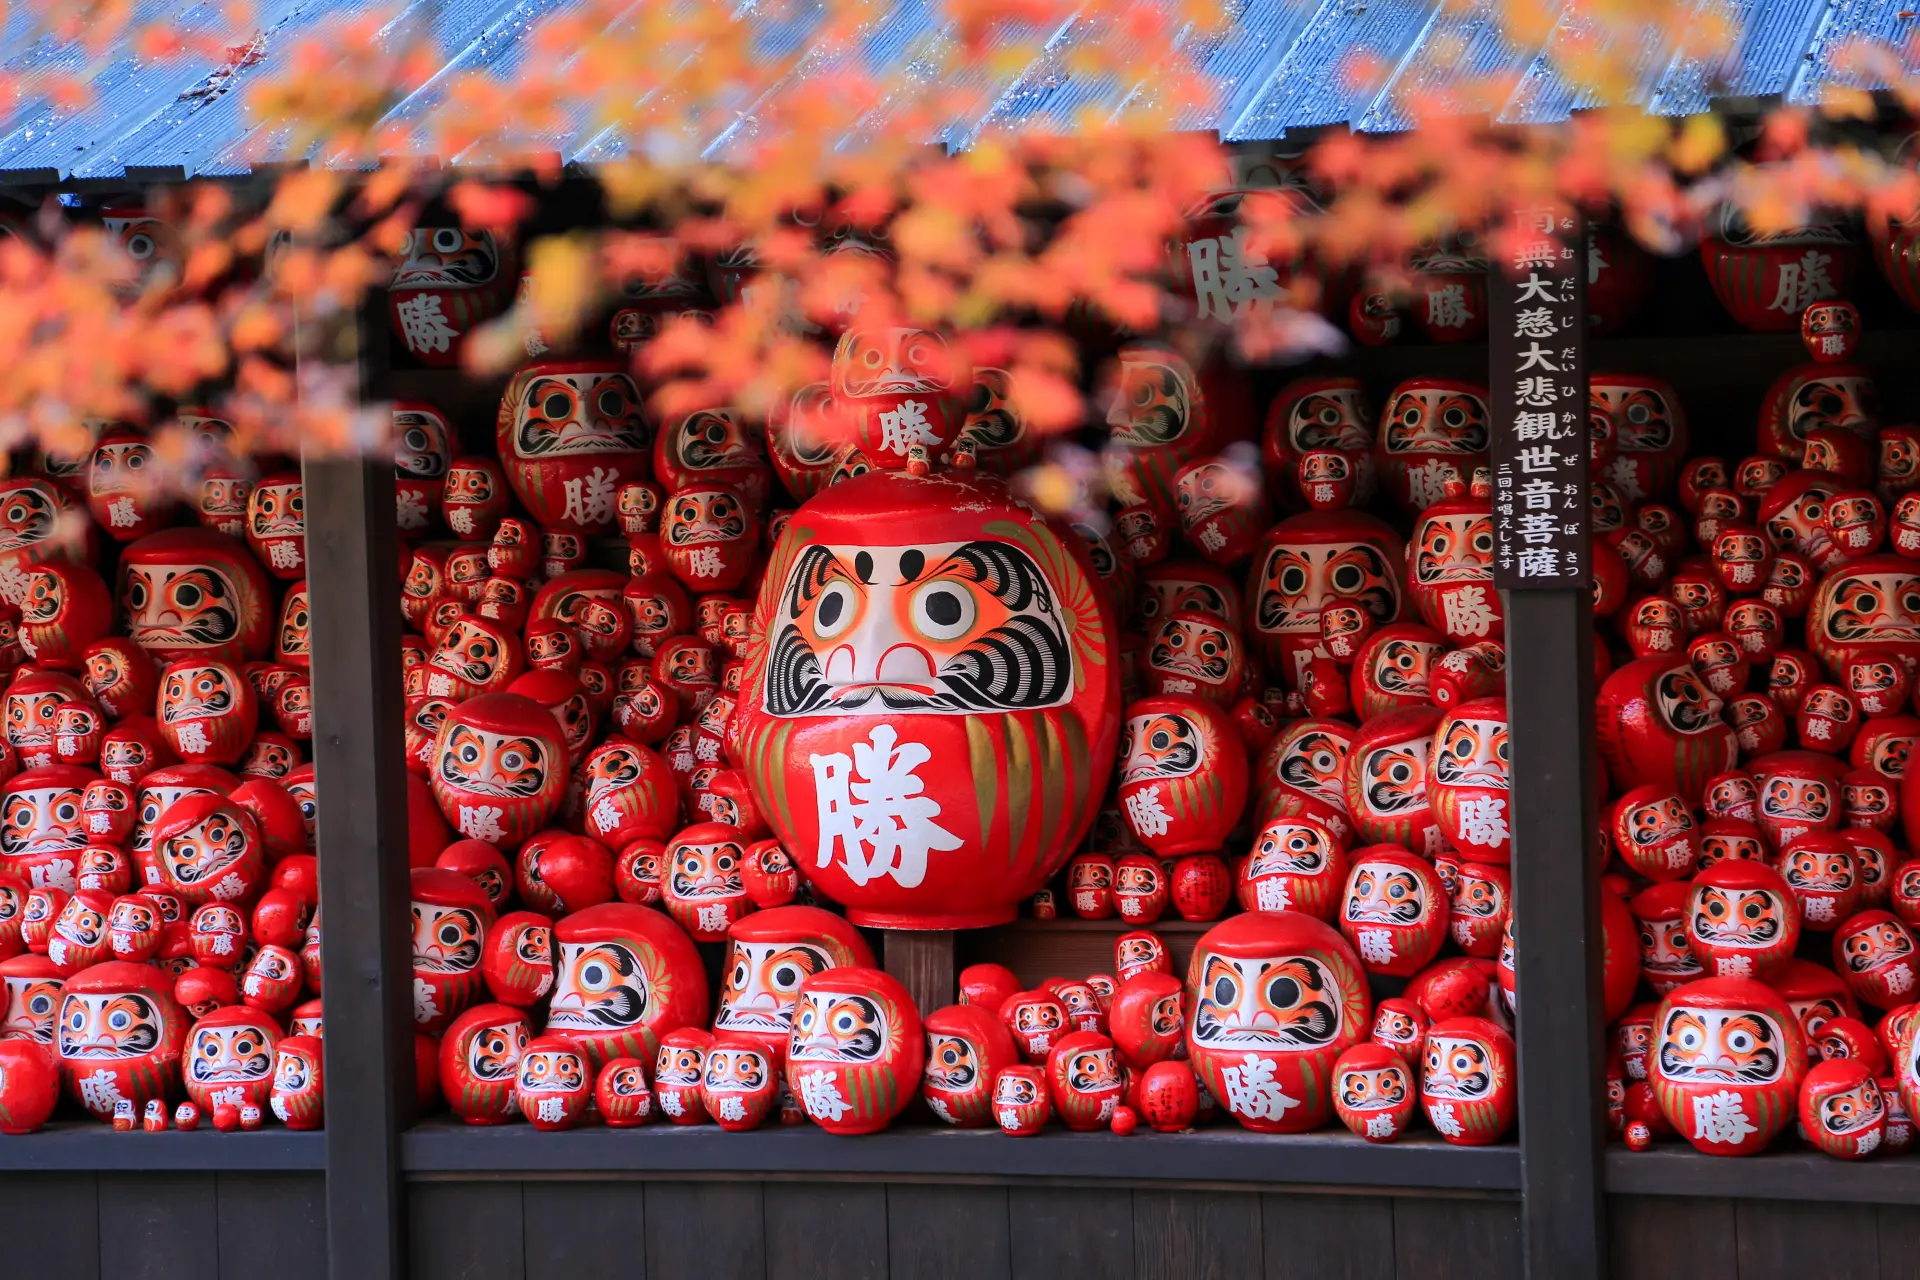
[[553, 1084], [1395, 910], [480, 1060], [298, 1096], [967, 1049], [1468, 775], [678, 1068], [119, 1034], [1841, 1108], [739, 1082], [769, 954], [627, 976], [1273, 1001], [912, 677], [1184, 774], [229, 1058], [499, 768], [1148, 1019], [1373, 1092], [1726, 1063], [857, 1050], [1467, 1083]]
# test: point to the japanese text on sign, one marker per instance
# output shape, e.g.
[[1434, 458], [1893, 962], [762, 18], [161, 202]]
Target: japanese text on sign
[[1538, 383]]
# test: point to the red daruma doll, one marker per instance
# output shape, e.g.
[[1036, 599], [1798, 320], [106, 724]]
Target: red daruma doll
[[857, 1050], [1467, 1084], [1467, 780], [499, 768], [1184, 779], [1726, 1064], [119, 1034], [930, 726], [967, 1049], [1273, 1000]]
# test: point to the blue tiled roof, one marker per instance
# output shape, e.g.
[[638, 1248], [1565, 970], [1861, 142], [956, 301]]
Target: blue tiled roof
[[1272, 67]]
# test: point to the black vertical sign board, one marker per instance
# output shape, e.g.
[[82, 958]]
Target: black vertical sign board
[[1536, 340], [1541, 510]]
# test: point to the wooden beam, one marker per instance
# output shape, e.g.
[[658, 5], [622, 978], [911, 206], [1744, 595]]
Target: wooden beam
[[361, 832]]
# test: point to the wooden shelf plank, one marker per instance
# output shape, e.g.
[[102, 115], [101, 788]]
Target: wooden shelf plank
[[1219, 1155], [1675, 1169], [75, 1146]]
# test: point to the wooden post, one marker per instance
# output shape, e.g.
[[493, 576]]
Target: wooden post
[[353, 584], [1536, 343], [924, 964]]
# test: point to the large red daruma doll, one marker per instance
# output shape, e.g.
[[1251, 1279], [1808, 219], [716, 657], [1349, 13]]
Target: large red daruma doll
[[1273, 1000], [570, 434], [1310, 561], [1726, 1064], [928, 724], [192, 593], [1869, 607]]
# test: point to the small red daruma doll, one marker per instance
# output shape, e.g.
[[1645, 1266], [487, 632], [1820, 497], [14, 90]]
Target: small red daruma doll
[[1394, 911], [499, 768], [1727, 1059], [1874, 954], [277, 525], [1373, 1092], [1035, 1019], [1084, 1078], [79, 938], [1141, 892], [298, 1096], [1222, 509], [120, 676], [517, 961], [1659, 723], [229, 1058], [66, 610], [1742, 921], [78, 732], [1666, 957], [1468, 775], [1654, 832], [1022, 1103], [967, 1049], [209, 849], [1821, 873], [857, 1050], [1274, 1000], [119, 1035], [769, 954], [1090, 885], [704, 889], [1481, 902], [1467, 1084], [1147, 1019], [708, 537], [475, 655], [622, 1095], [553, 1084], [1385, 780], [451, 915], [1296, 864], [678, 1067], [208, 712], [1184, 774], [630, 794], [627, 976], [739, 1082], [480, 1060], [1842, 1110], [1401, 1026]]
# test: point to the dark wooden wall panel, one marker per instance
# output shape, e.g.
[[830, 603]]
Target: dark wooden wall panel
[[272, 1224], [705, 1230], [1196, 1235], [826, 1231], [1060, 1233], [1784, 1240], [464, 1231], [1669, 1237], [577, 1230], [51, 1225], [1309, 1237], [159, 1226], [1479, 1239], [948, 1233], [1899, 1236]]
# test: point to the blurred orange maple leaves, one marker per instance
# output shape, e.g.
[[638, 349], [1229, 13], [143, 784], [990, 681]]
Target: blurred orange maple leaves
[[772, 128]]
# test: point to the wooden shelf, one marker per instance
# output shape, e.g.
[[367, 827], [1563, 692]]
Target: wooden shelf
[[1676, 1169], [74, 1146], [1217, 1155]]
